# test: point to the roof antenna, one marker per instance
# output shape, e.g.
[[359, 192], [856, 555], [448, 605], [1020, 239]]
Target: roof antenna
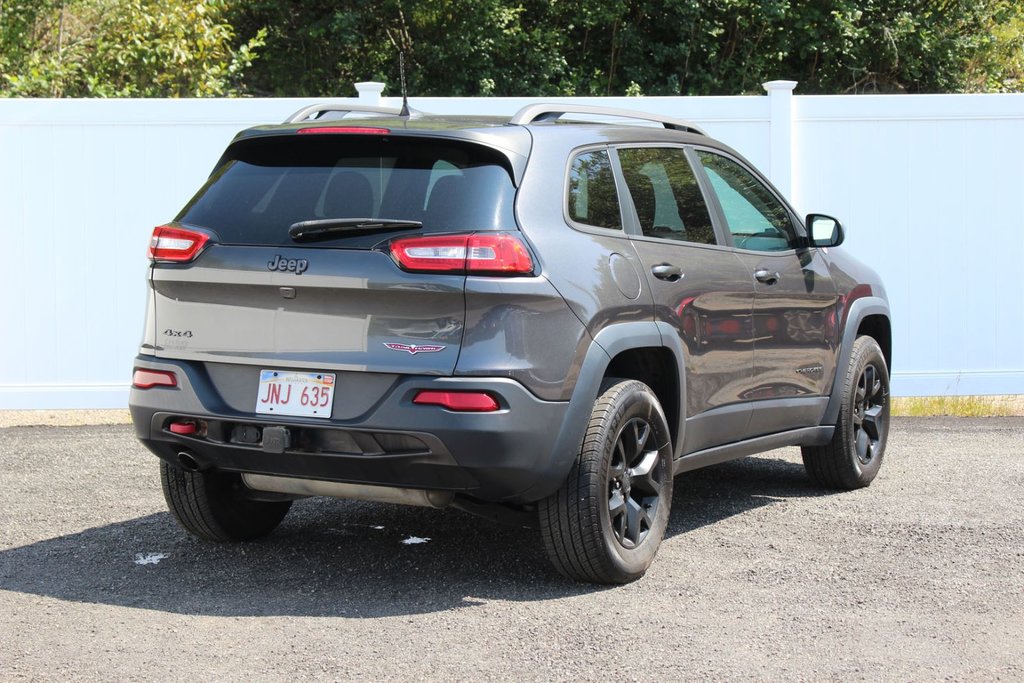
[[405, 98]]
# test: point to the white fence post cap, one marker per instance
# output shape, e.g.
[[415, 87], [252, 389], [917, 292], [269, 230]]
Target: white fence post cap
[[778, 85], [369, 91]]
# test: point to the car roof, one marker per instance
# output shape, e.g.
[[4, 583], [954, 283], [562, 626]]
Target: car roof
[[564, 126], [328, 115]]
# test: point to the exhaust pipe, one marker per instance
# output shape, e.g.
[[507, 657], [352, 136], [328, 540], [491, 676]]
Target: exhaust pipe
[[376, 494], [188, 461]]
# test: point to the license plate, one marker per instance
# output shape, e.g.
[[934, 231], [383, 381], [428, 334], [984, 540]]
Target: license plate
[[307, 394]]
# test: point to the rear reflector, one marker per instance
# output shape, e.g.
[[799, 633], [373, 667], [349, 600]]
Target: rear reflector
[[474, 254], [147, 379], [358, 130], [183, 428], [176, 244], [462, 401]]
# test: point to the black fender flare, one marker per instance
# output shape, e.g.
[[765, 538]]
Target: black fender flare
[[859, 309], [605, 345]]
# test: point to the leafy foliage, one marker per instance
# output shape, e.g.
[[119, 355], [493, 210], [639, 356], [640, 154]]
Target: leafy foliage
[[998, 64], [453, 47], [654, 47], [507, 47], [120, 48]]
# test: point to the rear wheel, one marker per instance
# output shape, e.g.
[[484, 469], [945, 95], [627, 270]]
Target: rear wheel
[[606, 522], [216, 506], [853, 457]]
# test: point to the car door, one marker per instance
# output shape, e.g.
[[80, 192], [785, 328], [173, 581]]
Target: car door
[[794, 322], [701, 288]]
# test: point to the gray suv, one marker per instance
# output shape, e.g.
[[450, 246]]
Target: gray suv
[[537, 319]]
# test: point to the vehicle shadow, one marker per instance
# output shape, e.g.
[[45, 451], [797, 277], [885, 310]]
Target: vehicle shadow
[[351, 559], [711, 494]]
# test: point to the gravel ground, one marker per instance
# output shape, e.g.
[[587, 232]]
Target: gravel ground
[[762, 577], [63, 418]]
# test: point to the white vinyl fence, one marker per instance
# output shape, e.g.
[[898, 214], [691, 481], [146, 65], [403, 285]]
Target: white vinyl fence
[[929, 187]]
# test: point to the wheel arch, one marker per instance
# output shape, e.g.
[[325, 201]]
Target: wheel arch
[[867, 315], [633, 350], [878, 327], [655, 366]]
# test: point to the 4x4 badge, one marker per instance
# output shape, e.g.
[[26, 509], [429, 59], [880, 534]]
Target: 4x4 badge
[[414, 349]]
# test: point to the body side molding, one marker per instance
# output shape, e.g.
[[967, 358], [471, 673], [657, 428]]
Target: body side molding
[[806, 436]]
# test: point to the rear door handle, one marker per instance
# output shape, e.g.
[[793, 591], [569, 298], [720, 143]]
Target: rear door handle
[[666, 271], [769, 277]]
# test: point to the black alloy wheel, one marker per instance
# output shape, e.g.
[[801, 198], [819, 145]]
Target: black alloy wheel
[[870, 402], [634, 489], [854, 455], [605, 523]]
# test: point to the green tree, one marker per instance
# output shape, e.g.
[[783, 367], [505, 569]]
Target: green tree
[[452, 47], [121, 48], [998, 63], [654, 47], [732, 46], [508, 47]]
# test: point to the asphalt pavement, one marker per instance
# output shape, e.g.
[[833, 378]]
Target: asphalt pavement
[[762, 576]]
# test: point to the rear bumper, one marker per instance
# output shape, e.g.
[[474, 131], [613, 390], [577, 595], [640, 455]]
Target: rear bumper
[[496, 456]]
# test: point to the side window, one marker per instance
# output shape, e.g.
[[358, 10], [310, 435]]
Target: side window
[[592, 197], [668, 200], [756, 219]]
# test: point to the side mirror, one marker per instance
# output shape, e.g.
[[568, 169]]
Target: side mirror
[[824, 231]]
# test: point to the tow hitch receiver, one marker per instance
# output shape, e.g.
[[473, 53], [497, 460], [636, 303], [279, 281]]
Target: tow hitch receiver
[[276, 439]]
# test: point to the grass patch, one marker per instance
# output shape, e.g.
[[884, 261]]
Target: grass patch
[[958, 406]]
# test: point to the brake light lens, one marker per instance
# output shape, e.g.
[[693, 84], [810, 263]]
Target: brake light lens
[[359, 130], [147, 379], [176, 244], [459, 401], [445, 254], [472, 254]]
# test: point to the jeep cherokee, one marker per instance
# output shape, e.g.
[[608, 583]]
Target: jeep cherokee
[[543, 317]]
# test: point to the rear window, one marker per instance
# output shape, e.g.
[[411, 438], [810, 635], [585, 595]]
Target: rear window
[[263, 186]]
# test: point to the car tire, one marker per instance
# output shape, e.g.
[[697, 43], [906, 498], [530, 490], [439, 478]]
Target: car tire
[[605, 523], [215, 506], [853, 457]]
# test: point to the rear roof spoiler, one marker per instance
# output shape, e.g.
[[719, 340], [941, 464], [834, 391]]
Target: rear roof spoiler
[[314, 110], [537, 113]]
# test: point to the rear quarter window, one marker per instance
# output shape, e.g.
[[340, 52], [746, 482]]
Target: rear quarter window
[[592, 199]]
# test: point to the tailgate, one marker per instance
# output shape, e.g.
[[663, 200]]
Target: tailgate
[[345, 310], [257, 293]]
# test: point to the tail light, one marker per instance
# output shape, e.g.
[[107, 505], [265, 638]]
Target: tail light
[[147, 379], [468, 254], [459, 401], [176, 244]]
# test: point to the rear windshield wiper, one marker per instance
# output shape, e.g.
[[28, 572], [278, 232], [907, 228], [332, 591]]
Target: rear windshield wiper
[[329, 228]]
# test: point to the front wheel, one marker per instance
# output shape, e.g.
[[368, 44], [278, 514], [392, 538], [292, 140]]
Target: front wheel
[[606, 522], [853, 457]]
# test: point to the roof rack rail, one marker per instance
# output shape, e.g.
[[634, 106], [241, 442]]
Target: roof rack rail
[[314, 109], [534, 113]]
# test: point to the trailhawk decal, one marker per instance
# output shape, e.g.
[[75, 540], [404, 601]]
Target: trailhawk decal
[[414, 349]]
